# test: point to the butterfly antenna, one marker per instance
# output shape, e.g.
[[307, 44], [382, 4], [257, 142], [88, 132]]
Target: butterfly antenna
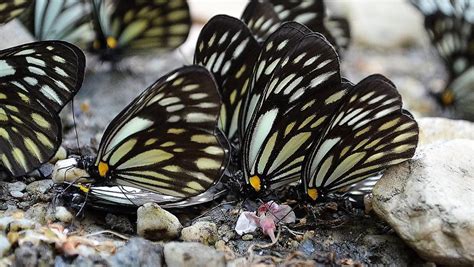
[[75, 126], [85, 200], [124, 193]]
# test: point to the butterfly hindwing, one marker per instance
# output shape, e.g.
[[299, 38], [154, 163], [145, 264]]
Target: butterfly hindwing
[[165, 141], [136, 25], [228, 50], [368, 133], [36, 81], [10, 9]]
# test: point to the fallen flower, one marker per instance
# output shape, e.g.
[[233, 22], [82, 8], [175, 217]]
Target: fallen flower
[[266, 217]]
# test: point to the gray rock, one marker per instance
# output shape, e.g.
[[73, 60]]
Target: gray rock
[[4, 245], [439, 129], [37, 213], [16, 186], [119, 223], [16, 194], [203, 232], [192, 254], [138, 252], [155, 223], [39, 187], [428, 201], [29, 255], [63, 215]]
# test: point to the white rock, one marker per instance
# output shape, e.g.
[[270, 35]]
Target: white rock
[[66, 171], [192, 254], [61, 154], [16, 186], [4, 245], [63, 215], [155, 223], [16, 194], [203, 232], [429, 201], [436, 129]]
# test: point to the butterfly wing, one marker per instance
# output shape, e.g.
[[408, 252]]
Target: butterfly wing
[[340, 30], [36, 81], [135, 25], [10, 9], [369, 133], [228, 50], [67, 20], [165, 141], [299, 72], [261, 19]]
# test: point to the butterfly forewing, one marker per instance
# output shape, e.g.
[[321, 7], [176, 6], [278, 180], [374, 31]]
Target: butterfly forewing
[[228, 50], [36, 81], [10, 9], [137, 25], [303, 89], [369, 133], [165, 141]]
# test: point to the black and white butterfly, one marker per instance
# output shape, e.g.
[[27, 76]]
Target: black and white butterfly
[[294, 95], [112, 28], [36, 82], [10, 9], [450, 28], [263, 17], [164, 146]]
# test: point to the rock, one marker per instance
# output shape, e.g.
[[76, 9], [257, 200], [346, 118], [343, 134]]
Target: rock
[[428, 201], [155, 223], [192, 254], [63, 215], [39, 187], [247, 237], [37, 213], [4, 245], [437, 129], [203, 232], [60, 155], [371, 22], [138, 252], [28, 255], [16, 186], [16, 194]]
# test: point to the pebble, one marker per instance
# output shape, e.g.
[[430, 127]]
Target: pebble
[[37, 213], [60, 155], [40, 186], [428, 201], [16, 194], [63, 215], [138, 252], [119, 223], [247, 237], [192, 254], [203, 232], [155, 223], [16, 186]]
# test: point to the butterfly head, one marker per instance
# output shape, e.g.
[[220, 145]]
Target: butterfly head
[[106, 47]]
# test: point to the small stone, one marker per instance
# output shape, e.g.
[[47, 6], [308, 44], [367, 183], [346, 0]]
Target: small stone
[[192, 254], [16, 194], [138, 252], [4, 246], [37, 213], [428, 201], [155, 223], [39, 187], [247, 237], [63, 215], [16, 186], [203, 232]]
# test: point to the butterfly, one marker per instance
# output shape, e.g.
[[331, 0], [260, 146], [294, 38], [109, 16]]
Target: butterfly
[[36, 82], [450, 28], [164, 145], [112, 29], [263, 17], [294, 93], [10, 9]]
